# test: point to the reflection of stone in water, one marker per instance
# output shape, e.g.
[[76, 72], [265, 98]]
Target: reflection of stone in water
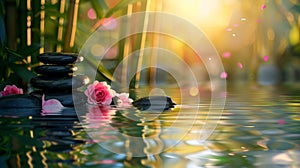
[[128, 123], [142, 136]]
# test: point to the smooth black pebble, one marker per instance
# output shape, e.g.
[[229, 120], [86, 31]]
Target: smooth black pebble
[[58, 84], [155, 103], [55, 70], [66, 98], [59, 58], [19, 101]]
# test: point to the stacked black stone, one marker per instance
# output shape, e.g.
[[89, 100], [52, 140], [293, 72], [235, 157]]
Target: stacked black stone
[[56, 79]]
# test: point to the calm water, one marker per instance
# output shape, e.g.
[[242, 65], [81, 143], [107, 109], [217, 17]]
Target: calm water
[[259, 128]]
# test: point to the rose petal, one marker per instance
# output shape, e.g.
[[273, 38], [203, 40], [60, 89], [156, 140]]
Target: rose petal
[[223, 75], [51, 105], [240, 65], [124, 100], [263, 6]]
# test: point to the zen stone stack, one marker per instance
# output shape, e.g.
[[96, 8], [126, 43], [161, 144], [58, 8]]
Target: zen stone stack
[[55, 79]]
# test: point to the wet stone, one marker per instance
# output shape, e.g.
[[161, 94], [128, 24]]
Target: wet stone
[[59, 58], [156, 103], [55, 70], [19, 101], [66, 98], [58, 84], [20, 112]]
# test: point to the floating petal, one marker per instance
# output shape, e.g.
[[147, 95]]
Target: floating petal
[[51, 105], [223, 75]]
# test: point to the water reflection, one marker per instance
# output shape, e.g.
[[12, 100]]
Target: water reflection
[[123, 131], [259, 128]]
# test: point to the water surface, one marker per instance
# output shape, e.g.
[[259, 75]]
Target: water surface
[[259, 127]]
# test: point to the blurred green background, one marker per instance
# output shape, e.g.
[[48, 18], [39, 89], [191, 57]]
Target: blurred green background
[[257, 40]]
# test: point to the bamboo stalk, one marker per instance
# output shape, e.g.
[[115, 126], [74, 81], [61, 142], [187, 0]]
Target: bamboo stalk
[[124, 49], [11, 24], [71, 26], [60, 26], [23, 24], [42, 27], [155, 43], [35, 27], [142, 46]]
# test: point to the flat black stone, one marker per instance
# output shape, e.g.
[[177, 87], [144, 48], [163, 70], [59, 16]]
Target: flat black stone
[[154, 103], [66, 98], [59, 58], [20, 101], [19, 112], [55, 70], [58, 84]]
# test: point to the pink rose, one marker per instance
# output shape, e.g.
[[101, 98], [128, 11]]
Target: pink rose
[[99, 93], [11, 89], [124, 100]]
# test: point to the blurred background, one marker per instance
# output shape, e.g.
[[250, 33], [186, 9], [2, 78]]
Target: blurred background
[[257, 40]]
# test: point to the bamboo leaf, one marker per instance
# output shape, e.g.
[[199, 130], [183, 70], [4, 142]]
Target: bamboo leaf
[[100, 7], [120, 5], [30, 49], [13, 55], [295, 8], [12, 79], [22, 71]]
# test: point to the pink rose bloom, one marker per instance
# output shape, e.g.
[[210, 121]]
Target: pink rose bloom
[[11, 89], [99, 93], [124, 100]]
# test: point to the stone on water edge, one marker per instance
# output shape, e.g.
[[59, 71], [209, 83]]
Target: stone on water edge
[[157, 103], [19, 101]]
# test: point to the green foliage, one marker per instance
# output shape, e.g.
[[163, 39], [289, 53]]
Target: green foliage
[[121, 5], [294, 34], [103, 11], [13, 68]]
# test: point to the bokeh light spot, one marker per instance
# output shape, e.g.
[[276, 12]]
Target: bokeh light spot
[[266, 58], [91, 14], [240, 65], [223, 75], [109, 23], [229, 29], [226, 54], [97, 50], [194, 91], [235, 25], [263, 6]]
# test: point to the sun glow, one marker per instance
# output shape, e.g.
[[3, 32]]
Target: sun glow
[[212, 14]]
